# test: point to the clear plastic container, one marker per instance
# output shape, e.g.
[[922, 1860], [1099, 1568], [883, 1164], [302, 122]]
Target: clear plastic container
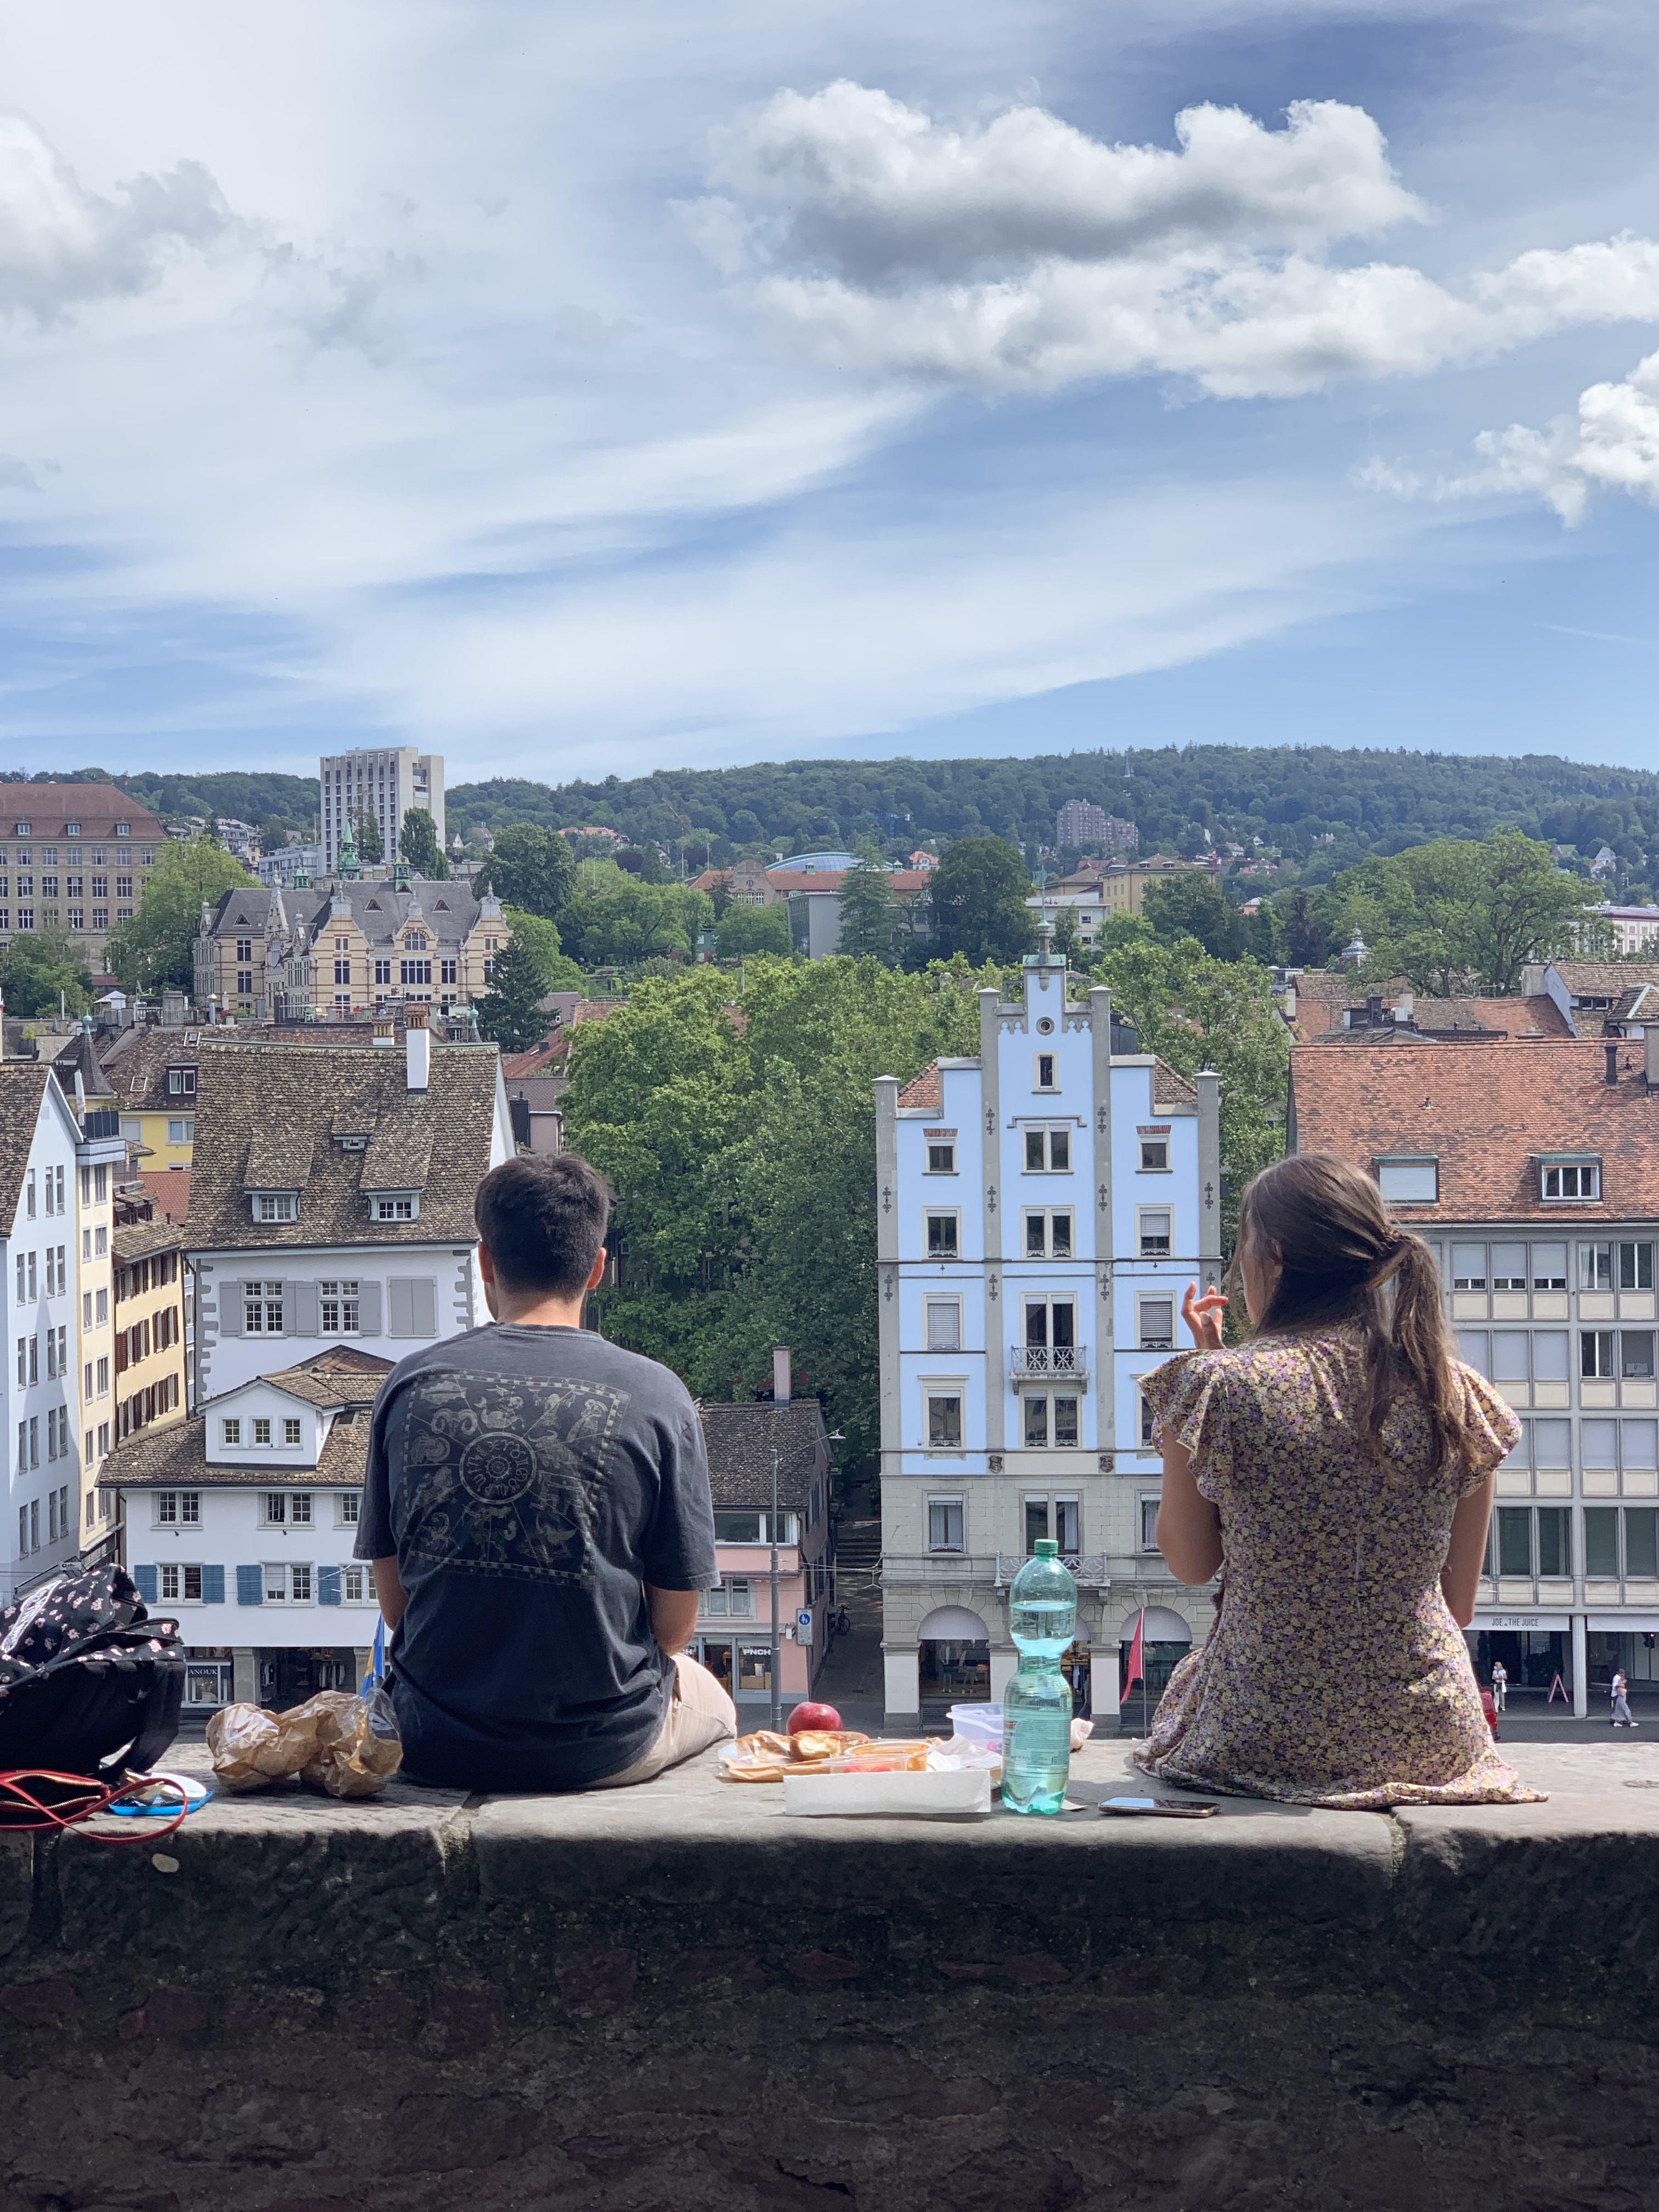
[[980, 1724]]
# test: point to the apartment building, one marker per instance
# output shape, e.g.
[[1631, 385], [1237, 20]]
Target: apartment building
[[1533, 1171], [1596, 998], [1040, 1210], [1081, 827], [43, 1222], [101, 1166], [331, 1196], [149, 1319], [734, 1620], [241, 1519], [74, 856], [152, 1073], [378, 784]]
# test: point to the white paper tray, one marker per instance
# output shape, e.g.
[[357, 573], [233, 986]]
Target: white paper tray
[[837, 1796]]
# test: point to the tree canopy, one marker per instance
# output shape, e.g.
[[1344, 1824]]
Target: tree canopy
[[530, 867], [742, 930], [42, 970], [153, 949], [1455, 916], [417, 844], [867, 919], [617, 919], [977, 896], [743, 1154], [509, 1013]]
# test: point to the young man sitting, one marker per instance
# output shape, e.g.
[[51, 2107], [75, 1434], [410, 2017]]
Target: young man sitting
[[537, 1507]]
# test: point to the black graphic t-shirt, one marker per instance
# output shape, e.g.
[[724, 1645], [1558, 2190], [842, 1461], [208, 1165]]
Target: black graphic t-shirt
[[530, 1481]]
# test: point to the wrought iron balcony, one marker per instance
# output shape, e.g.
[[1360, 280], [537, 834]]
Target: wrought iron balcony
[[1046, 1363]]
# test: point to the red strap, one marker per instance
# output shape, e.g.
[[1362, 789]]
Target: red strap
[[86, 1797]]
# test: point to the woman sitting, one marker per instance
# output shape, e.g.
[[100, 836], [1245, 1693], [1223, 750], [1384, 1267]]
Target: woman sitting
[[1342, 1463]]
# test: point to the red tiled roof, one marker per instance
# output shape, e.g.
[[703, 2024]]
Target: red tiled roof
[[170, 1189], [1521, 1016], [831, 879], [1486, 1108], [925, 1093]]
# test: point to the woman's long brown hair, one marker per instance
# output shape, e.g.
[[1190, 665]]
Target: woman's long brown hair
[[1339, 1252]]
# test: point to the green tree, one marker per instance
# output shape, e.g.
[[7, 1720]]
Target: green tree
[[865, 905], [743, 1158], [1455, 916], [371, 846], [743, 930], [1306, 940], [617, 919], [154, 948], [42, 970], [417, 844], [1066, 930], [530, 867], [543, 938], [1192, 904], [509, 1013], [1197, 1012], [977, 895]]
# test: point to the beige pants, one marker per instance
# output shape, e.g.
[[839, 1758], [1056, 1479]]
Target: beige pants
[[699, 1714]]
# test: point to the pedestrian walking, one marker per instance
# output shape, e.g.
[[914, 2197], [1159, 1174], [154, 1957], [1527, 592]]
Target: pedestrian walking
[[1619, 1688], [1500, 1683]]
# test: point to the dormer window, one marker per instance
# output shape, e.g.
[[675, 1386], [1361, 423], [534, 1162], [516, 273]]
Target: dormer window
[[181, 1082], [71, 828], [123, 828], [398, 1205], [415, 940], [1409, 1179], [1569, 1179], [275, 1205]]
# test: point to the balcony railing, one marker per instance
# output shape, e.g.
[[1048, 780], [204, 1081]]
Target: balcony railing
[[1046, 1363], [1088, 1567], [1094, 1570]]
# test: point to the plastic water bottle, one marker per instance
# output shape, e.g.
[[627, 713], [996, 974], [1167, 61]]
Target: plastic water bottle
[[1036, 1705]]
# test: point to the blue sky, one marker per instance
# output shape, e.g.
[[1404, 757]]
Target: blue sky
[[577, 391]]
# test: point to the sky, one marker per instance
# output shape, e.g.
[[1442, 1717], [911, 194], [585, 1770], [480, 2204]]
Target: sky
[[576, 391]]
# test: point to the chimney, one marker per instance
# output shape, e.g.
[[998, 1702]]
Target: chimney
[[417, 1045], [1611, 1051], [780, 1375], [385, 1032], [1650, 1053]]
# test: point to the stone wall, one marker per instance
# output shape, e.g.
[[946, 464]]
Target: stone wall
[[672, 1998]]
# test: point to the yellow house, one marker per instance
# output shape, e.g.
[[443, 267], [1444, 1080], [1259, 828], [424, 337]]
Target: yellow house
[[149, 1320], [153, 1074]]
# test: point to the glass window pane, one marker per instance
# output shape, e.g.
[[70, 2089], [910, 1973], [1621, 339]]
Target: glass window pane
[[734, 1527], [1468, 1266], [1034, 1149], [1635, 1266], [1641, 1443], [1514, 1540], [944, 1422], [1641, 1541], [1036, 1424], [1549, 1266], [1601, 1540], [1599, 1441], [1067, 1523], [1596, 1266], [1060, 1148], [1471, 1350], [1034, 1235], [1061, 1238], [1549, 1355], [1636, 1354], [1508, 1355], [1554, 1524], [1551, 1444], [1066, 1433], [1037, 1516]]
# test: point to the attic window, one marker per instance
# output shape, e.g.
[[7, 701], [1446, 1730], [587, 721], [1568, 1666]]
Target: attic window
[[1410, 1180], [398, 1205], [1569, 1180], [373, 907], [275, 1205], [440, 906], [181, 1082]]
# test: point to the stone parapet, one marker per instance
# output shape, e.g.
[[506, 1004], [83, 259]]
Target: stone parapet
[[675, 1998]]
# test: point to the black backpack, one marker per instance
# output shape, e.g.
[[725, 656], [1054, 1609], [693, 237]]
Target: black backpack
[[89, 1684]]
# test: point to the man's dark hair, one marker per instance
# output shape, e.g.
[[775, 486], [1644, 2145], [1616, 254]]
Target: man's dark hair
[[543, 1219]]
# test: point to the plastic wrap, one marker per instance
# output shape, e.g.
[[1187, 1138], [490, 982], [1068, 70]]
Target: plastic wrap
[[348, 1746]]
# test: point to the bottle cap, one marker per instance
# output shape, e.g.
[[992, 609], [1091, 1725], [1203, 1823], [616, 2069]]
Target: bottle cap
[[1047, 1548]]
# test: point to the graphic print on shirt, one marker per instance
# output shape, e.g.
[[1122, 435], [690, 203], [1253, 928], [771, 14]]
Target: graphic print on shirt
[[506, 1477]]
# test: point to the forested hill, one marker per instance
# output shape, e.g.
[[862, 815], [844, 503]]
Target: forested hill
[[1288, 796]]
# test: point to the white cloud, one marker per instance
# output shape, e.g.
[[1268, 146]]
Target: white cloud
[[1612, 444], [62, 245], [1021, 255]]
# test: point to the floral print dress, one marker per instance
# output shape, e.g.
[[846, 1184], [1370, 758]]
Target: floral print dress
[[1335, 1674]]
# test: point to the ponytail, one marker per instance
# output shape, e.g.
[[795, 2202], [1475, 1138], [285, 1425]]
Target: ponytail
[[1343, 1259]]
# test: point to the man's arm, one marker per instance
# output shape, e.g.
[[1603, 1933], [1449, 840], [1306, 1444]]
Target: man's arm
[[389, 1588], [673, 1616]]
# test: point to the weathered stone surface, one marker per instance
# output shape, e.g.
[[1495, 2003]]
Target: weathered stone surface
[[676, 1998]]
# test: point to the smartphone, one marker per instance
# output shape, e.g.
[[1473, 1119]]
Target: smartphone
[[1167, 1807]]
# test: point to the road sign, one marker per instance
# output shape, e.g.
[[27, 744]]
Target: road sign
[[803, 1627]]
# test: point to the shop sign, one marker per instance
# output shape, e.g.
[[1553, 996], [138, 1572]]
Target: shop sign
[[1540, 1624]]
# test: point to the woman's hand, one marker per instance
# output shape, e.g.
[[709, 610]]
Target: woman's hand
[[1203, 1315]]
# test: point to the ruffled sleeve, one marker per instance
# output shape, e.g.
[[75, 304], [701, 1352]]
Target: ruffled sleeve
[[1189, 1396], [1490, 1430]]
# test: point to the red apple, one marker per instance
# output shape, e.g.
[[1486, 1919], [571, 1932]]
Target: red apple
[[813, 1717]]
